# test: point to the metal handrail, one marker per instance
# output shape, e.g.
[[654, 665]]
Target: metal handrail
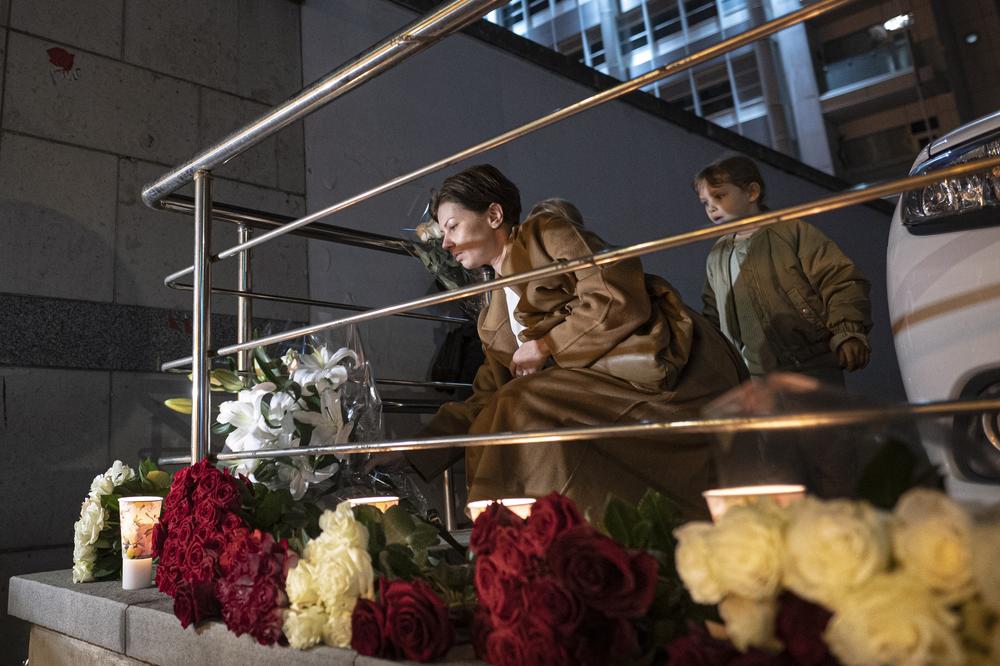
[[448, 319], [683, 64], [706, 426], [257, 219], [836, 202], [412, 39]]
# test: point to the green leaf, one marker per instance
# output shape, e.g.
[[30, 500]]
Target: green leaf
[[397, 562], [663, 515], [399, 525], [266, 365], [423, 537], [110, 502], [641, 532], [268, 511], [620, 520], [889, 474], [222, 428]]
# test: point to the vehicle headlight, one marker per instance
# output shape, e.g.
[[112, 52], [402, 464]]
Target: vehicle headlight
[[965, 202]]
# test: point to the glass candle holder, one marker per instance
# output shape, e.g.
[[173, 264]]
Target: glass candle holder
[[383, 504], [721, 500], [519, 505], [139, 515]]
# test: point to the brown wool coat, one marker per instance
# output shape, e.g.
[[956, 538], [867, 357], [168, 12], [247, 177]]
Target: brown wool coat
[[625, 349]]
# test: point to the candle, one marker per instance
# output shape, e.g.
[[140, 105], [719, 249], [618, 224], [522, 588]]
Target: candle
[[519, 505], [138, 517], [721, 500], [383, 504]]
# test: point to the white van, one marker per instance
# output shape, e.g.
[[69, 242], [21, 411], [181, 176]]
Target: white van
[[943, 280]]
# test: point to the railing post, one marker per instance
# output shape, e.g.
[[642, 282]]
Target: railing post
[[201, 318], [244, 312], [449, 500]]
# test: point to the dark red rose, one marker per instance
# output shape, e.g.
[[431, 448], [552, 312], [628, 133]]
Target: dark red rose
[[231, 521], [498, 592], [505, 647], [368, 636], [268, 628], [482, 539], [206, 515], [417, 620], [207, 485], [159, 538], [508, 553], [544, 647], [550, 516], [548, 602], [227, 495], [800, 626], [603, 574], [600, 640], [194, 602]]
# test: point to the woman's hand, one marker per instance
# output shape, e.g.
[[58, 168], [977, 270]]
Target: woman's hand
[[853, 354], [529, 357]]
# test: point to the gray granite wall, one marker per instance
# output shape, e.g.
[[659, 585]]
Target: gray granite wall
[[98, 98]]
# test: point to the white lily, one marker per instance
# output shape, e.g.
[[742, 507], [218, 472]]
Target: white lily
[[322, 370], [252, 432], [328, 423]]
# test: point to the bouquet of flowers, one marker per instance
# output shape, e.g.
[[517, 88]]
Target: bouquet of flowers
[[449, 273], [318, 398], [96, 544], [827, 582]]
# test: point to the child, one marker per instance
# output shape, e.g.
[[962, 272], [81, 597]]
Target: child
[[785, 295]]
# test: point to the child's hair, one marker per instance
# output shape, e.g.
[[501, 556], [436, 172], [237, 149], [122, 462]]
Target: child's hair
[[736, 169], [559, 207]]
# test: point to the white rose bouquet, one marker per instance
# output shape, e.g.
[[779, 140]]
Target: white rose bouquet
[[841, 578], [96, 543]]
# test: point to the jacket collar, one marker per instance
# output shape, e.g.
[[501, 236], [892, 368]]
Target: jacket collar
[[494, 325]]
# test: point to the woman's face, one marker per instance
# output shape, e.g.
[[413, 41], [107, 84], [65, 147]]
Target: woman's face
[[727, 202], [473, 239]]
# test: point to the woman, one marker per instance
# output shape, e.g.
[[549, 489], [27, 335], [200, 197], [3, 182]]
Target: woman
[[598, 346]]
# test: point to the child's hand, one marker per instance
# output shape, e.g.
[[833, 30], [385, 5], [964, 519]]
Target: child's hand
[[853, 354], [530, 357]]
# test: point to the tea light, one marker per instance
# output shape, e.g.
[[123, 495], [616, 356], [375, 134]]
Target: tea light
[[383, 504], [139, 515], [721, 500], [519, 505]]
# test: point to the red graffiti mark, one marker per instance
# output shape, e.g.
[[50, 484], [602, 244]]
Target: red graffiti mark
[[61, 58]]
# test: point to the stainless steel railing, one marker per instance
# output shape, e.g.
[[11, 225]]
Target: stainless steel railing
[[391, 51]]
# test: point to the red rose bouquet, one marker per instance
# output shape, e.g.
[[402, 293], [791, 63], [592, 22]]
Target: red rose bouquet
[[553, 590], [409, 620]]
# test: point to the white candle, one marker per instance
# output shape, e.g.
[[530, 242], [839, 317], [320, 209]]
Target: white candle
[[721, 500], [519, 505], [137, 574]]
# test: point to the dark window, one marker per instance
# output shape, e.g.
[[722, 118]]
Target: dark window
[[698, 11], [666, 23], [511, 14]]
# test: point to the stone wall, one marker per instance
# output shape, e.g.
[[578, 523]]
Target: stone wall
[[98, 98]]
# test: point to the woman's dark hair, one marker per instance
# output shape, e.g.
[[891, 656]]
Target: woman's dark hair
[[736, 169], [476, 188]]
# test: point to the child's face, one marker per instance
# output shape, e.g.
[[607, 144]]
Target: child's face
[[727, 202]]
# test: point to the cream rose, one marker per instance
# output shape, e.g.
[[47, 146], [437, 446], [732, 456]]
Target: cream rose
[[119, 473], [342, 574], [750, 623], [341, 524], [83, 571], [337, 630], [832, 548], [100, 486], [931, 537], [692, 560], [304, 627], [88, 529], [985, 569], [893, 619], [747, 548], [300, 586]]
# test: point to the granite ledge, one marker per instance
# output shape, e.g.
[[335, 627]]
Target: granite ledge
[[141, 625]]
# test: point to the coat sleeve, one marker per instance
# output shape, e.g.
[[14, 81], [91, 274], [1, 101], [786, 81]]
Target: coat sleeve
[[709, 307], [455, 418], [611, 300], [837, 280]]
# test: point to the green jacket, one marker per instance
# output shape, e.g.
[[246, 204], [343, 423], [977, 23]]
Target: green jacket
[[805, 293]]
